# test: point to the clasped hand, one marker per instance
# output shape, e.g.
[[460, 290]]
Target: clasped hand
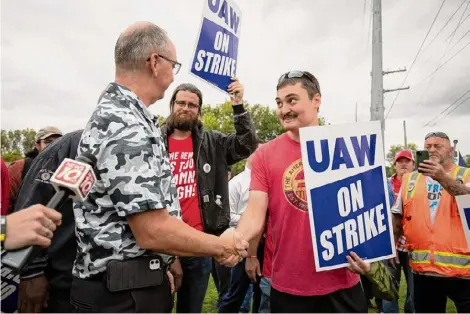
[[235, 248]]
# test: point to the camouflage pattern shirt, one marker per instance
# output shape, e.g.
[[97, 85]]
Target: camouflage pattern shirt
[[133, 176]]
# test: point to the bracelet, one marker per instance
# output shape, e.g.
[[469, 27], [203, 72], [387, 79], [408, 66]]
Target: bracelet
[[252, 256], [3, 233]]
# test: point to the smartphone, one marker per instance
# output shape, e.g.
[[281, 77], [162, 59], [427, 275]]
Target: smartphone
[[421, 155]]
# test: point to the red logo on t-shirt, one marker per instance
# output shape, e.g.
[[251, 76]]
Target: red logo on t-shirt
[[294, 185]]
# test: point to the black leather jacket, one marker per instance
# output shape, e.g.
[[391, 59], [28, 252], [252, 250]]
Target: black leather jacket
[[213, 153]]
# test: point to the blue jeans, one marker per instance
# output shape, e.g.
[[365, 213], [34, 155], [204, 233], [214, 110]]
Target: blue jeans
[[265, 286], [246, 305], [196, 272], [392, 306], [232, 301]]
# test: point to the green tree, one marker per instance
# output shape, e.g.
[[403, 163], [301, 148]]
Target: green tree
[[15, 143], [467, 160], [28, 141]]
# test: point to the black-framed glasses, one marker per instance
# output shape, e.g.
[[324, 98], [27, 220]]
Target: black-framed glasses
[[183, 104], [437, 134], [174, 64], [299, 74]]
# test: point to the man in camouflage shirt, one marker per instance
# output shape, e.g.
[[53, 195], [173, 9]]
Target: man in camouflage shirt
[[132, 211]]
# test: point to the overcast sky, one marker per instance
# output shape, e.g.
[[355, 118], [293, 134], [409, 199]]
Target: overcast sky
[[57, 57]]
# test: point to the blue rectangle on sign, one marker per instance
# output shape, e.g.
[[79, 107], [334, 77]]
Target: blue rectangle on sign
[[351, 215], [466, 212], [215, 59]]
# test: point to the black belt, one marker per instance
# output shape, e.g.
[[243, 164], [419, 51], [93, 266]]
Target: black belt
[[102, 276]]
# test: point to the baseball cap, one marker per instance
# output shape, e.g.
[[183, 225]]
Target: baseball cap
[[46, 132], [404, 154]]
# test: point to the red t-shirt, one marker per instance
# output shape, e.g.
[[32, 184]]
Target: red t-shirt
[[268, 251], [277, 170], [5, 186], [184, 175], [396, 184]]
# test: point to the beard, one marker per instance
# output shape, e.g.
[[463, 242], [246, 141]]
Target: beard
[[183, 122]]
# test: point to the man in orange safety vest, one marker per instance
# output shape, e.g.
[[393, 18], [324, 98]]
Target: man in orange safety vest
[[426, 214]]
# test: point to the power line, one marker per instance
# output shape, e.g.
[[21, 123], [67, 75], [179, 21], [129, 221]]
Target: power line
[[433, 120], [424, 93], [416, 57], [448, 60], [460, 39], [444, 26], [449, 112], [460, 21]]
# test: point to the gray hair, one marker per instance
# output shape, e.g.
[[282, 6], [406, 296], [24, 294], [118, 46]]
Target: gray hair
[[133, 48]]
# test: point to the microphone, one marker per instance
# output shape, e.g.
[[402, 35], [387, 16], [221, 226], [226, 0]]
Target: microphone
[[72, 179]]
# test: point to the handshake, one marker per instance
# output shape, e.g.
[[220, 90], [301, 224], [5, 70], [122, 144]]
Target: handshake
[[234, 248]]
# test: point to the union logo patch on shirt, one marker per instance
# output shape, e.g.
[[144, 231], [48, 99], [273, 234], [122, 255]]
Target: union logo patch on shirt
[[294, 185]]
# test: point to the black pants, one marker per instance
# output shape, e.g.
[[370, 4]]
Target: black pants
[[431, 293], [59, 301], [221, 276], [351, 300], [92, 296]]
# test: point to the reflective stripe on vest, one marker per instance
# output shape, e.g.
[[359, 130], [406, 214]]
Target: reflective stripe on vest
[[414, 177], [420, 256], [451, 260], [460, 173]]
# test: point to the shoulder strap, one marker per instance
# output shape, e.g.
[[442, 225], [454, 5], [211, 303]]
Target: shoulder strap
[[460, 173], [411, 184]]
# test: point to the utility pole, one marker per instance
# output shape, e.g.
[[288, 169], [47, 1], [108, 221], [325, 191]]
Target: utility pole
[[377, 108], [356, 111], [404, 133]]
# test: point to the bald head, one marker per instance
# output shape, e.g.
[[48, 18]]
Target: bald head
[[135, 45]]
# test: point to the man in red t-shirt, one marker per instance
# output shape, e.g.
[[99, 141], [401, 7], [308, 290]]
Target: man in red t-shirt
[[199, 159], [5, 189], [277, 185]]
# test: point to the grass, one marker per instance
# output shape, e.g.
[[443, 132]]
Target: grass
[[211, 299]]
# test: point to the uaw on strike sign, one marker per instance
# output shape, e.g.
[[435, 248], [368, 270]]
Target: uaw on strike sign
[[347, 193], [215, 55]]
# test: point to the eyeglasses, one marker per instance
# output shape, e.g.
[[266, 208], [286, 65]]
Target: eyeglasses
[[183, 104], [437, 134], [299, 74], [175, 64]]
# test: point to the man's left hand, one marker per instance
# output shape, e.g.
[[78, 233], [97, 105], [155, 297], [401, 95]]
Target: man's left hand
[[432, 169], [236, 91], [177, 272]]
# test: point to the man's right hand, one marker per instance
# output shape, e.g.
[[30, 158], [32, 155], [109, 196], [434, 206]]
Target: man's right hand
[[33, 295], [235, 248], [252, 268], [34, 225]]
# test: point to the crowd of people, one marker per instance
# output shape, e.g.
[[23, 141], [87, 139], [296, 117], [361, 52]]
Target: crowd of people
[[164, 214]]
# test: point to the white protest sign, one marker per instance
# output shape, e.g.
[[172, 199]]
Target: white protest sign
[[216, 51], [347, 193], [463, 202]]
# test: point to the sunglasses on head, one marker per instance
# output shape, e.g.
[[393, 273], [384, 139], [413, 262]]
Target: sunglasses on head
[[298, 74], [437, 134]]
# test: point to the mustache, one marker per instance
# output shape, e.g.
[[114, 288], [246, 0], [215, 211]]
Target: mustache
[[290, 115]]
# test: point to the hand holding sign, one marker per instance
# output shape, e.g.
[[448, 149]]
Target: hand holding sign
[[236, 91], [357, 265]]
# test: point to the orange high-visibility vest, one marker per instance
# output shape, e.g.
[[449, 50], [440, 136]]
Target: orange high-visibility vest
[[438, 248]]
